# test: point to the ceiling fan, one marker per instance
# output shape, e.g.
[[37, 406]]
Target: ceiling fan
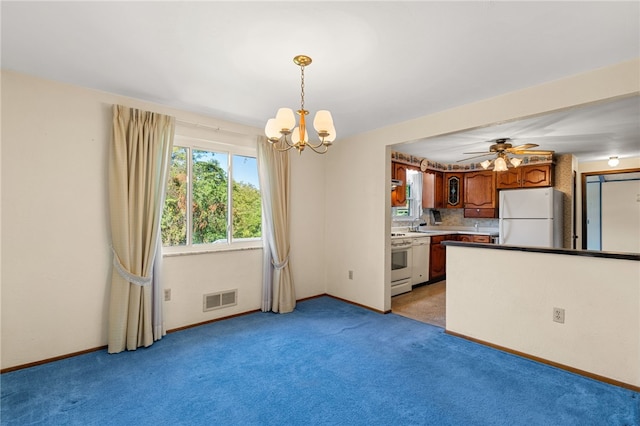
[[500, 148]]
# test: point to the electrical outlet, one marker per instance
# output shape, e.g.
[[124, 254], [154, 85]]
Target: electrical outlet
[[350, 275], [167, 294], [558, 315]]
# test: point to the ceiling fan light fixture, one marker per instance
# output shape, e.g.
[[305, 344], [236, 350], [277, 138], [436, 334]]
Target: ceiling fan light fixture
[[613, 161], [485, 164], [499, 165], [515, 161]]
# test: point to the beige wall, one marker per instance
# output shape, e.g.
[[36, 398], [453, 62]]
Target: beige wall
[[507, 298], [55, 232]]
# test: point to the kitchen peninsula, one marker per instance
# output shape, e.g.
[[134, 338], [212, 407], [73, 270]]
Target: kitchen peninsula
[[506, 296]]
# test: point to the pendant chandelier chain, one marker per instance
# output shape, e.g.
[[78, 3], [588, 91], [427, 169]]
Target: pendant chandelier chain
[[302, 87]]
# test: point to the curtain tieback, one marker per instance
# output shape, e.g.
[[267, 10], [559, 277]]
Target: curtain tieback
[[280, 265], [132, 278]]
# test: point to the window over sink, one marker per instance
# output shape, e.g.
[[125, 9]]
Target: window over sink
[[412, 209]]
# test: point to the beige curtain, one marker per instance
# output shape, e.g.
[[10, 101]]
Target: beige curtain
[[273, 167], [138, 160]]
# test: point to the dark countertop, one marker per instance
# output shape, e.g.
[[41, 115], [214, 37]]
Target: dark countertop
[[570, 252]]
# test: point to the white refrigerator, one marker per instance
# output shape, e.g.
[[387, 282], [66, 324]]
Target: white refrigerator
[[531, 217]]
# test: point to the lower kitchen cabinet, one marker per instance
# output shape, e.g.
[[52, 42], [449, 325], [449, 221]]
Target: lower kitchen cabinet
[[474, 238], [438, 257]]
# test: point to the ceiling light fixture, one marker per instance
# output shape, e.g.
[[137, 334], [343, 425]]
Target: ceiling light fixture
[[279, 128], [613, 161], [500, 163]]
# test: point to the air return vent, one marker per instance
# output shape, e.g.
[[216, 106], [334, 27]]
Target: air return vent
[[220, 300]]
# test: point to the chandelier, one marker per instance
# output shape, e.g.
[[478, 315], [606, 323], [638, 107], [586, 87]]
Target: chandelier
[[282, 128], [500, 163]]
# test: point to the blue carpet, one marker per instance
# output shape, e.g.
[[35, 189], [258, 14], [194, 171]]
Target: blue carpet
[[328, 362]]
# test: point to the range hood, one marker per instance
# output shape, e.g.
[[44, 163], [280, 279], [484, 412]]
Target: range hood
[[395, 183]]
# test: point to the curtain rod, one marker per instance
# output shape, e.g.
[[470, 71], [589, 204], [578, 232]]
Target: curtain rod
[[214, 128]]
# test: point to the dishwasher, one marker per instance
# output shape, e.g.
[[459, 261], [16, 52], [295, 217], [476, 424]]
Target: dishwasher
[[421, 248]]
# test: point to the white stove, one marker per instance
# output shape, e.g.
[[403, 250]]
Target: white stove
[[401, 263]]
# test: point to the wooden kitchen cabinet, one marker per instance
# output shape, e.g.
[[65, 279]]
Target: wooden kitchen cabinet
[[399, 195], [480, 194], [482, 239], [469, 238], [432, 189], [438, 257], [453, 190], [534, 176]]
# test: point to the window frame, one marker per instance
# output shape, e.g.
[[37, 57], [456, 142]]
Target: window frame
[[230, 244]]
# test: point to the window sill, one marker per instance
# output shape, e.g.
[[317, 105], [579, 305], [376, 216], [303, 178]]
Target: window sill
[[190, 251]]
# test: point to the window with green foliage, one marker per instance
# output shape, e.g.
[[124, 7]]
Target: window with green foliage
[[212, 198]]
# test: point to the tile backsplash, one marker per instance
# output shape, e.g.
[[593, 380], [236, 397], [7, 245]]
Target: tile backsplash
[[450, 217], [455, 217]]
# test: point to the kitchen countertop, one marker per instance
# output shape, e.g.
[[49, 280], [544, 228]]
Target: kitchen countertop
[[424, 231]]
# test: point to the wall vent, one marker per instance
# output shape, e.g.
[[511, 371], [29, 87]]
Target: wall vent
[[219, 300]]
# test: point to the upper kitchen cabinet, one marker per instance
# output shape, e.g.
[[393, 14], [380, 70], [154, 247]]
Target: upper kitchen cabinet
[[432, 189], [480, 194], [533, 176], [453, 190], [399, 194]]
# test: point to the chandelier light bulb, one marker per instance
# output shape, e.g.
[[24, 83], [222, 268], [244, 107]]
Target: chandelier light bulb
[[272, 130], [322, 121], [332, 135], [295, 135], [285, 119], [613, 161]]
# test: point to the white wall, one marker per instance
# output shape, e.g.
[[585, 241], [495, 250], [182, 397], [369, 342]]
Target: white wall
[[358, 235], [55, 227], [621, 216], [507, 298], [597, 166]]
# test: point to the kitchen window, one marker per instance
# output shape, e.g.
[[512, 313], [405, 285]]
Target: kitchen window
[[413, 207], [212, 198]]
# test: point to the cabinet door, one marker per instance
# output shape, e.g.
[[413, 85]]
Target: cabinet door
[[480, 213], [432, 189], [439, 190], [481, 239], [453, 190], [465, 238], [480, 190], [509, 179], [536, 176], [399, 195], [437, 262]]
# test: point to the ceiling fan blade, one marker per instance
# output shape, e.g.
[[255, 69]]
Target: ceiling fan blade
[[477, 156], [522, 147], [477, 152], [529, 152]]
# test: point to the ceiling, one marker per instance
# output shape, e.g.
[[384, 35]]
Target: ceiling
[[374, 63]]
